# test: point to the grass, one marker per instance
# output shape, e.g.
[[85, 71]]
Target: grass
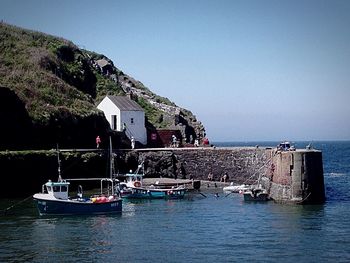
[[52, 75]]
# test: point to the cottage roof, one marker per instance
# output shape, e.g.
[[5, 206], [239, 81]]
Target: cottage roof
[[124, 103]]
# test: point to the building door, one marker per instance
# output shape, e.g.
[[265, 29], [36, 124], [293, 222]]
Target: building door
[[114, 122]]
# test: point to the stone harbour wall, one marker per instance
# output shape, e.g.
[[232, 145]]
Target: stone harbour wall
[[240, 164], [295, 176], [288, 176]]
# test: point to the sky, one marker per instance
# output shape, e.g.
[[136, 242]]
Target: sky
[[251, 70]]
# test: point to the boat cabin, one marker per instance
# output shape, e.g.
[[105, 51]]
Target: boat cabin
[[134, 180], [284, 146], [58, 190]]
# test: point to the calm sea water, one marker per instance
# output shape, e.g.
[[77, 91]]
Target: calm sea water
[[211, 229]]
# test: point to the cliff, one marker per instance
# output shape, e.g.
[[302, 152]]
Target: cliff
[[49, 89]]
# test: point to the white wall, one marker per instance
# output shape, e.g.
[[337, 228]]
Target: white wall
[[109, 109], [137, 129]]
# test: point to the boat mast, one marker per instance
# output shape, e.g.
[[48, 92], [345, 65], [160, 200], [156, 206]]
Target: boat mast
[[59, 165], [111, 159], [111, 164]]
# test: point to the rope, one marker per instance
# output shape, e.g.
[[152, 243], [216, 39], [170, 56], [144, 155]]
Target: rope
[[228, 194], [269, 160], [12, 206], [303, 200], [202, 194]]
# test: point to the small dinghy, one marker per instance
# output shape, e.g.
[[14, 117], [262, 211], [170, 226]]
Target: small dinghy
[[236, 188]]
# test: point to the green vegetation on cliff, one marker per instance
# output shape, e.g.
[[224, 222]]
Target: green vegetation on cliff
[[60, 84]]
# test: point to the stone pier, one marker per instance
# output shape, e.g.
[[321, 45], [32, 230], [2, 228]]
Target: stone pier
[[296, 176], [289, 176]]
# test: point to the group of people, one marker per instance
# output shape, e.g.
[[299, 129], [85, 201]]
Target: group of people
[[224, 178], [174, 141], [205, 142], [98, 142]]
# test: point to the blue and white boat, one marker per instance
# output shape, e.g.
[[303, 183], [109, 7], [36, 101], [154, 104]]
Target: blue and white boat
[[133, 188], [54, 200]]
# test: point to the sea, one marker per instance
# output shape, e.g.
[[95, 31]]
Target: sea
[[196, 229]]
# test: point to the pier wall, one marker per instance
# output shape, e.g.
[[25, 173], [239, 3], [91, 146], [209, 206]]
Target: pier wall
[[295, 176], [240, 164], [289, 176]]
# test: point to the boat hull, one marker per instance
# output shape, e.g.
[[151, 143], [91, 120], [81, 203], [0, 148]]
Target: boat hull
[[140, 193], [70, 207], [259, 197]]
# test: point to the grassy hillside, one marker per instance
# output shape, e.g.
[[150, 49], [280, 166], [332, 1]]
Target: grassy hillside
[[48, 74], [59, 85]]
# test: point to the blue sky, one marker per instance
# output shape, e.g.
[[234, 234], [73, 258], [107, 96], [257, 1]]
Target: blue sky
[[249, 70]]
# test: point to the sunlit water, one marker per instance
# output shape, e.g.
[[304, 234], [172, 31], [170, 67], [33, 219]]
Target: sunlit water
[[199, 229]]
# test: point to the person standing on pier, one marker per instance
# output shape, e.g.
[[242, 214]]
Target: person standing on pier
[[98, 141], [132, 142], [174, 141]]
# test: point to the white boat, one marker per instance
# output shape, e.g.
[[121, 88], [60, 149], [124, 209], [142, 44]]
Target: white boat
[[134, 188], [256, 192], [236, 188]]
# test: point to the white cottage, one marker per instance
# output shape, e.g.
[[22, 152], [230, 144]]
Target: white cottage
[[121, 111]]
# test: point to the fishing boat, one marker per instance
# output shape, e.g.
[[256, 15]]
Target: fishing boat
[[255, 194], [134, 188], [54, 198]]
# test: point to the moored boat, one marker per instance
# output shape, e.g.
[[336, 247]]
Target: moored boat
[[255, 194], [134, 188], [54, 200], [236, 188]]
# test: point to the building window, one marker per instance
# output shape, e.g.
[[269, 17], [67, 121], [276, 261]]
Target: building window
[[114, 122], [132, 120]]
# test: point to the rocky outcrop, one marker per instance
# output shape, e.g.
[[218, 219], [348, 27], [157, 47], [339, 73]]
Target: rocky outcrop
[[171, 116]]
